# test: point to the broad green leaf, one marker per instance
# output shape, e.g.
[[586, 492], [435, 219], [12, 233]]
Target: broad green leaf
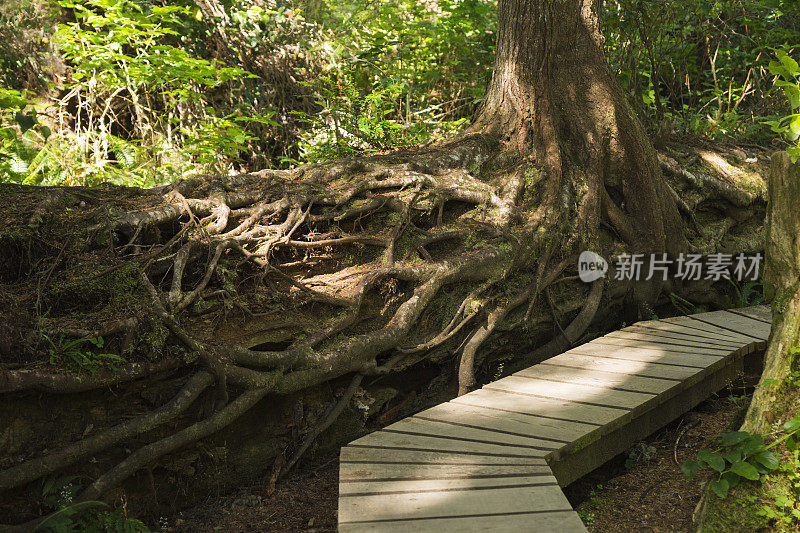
[[716, 462], [689, 469], [794, 127], [25, 121], [753, 444], [793, 94], [720, 487], [732, 479], [791, 65], [778, 69], [746, 470], [767, 459], [792, 425], [733, 456], [734, 437]]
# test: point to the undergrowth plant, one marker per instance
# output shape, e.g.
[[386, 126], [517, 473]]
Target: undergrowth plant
[[65, 516], [136, 109], [356, 118], [788, 70], [81, 355], [20, 131], [741, 455]]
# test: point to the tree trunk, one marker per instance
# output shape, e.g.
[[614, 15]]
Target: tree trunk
[[552, 95], [782, 283], [775, 399]]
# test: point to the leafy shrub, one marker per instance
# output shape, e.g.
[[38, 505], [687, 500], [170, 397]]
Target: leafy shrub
[[86, 517], [79, 355], [741, 455], [787, 69], [19, 127]]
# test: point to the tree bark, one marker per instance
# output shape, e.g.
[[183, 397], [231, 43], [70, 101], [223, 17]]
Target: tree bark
[[552, 95], [782, 283]]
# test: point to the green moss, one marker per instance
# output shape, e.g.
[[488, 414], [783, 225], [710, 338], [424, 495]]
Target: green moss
[[118, 285], [742, 510], [155, 337]]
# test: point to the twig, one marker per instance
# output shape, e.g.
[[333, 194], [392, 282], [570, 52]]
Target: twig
[[329, 418]]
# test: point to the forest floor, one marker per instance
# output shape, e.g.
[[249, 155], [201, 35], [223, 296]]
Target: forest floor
[[642, 490]]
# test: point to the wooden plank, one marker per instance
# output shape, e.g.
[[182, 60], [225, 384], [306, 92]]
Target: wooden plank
[[657, 343], [389, 456], [389, 440], [598, 378], [570, 464], [543, 407], [623, 366], [703, 326], [649, 355], [395, 471], [665, 337], [503, 421], [446, 503], [369, 487], [583, 394], [424, 427], [677, 325], [738, 323], [553, 521], [759, 312]]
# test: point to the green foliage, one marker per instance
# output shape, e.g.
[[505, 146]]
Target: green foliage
[[19, 130], [355, 120], [398, 74], [86, 516], [684, 306], [641, 452], [81, 354], [783, 510], [136, 108], [699, 67], [787, 69], [747, 294], [741, 455], [587, 512], [159, 90]]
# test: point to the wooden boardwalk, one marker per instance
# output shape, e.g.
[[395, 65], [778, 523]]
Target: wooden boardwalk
[[495, 459]]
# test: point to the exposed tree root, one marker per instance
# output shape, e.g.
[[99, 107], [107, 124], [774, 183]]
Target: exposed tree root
[[385, 261], [78, 451]]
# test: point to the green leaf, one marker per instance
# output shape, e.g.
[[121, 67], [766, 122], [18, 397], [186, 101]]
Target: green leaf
[[794, 127], [45, 131], [717, 463], [690, 468], [793, 94], [745, 470], [720, 487], [792, 425], [704, 458], [734, 455], [767, 459], [753, 444], [25, 122], [777, 69], [791, 445], [791, 65], [732, 479], [734, 437]]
